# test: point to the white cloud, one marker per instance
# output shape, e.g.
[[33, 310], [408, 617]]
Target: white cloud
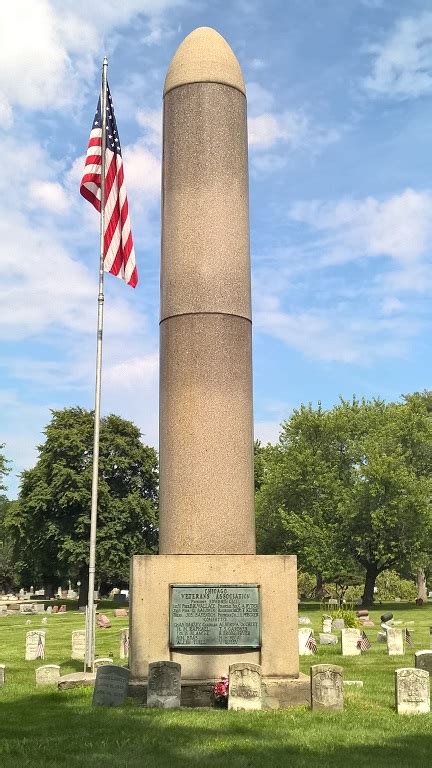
[[269, 128], [151, 121], [399, 227], [48, 48], [142, 170], [402, 66], [49, 195], [257, 64]]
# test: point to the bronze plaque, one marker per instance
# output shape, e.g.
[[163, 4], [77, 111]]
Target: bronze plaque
[[215, 615]]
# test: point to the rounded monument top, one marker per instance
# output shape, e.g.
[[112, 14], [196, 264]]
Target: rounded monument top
[[204, 56]]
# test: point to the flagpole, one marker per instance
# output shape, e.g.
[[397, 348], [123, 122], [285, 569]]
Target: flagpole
[[90, 613]]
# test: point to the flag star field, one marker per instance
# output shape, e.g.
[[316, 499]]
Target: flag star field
[[340, 176]]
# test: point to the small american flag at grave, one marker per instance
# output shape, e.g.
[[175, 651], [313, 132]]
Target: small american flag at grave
[[311, 643], [364, 643]]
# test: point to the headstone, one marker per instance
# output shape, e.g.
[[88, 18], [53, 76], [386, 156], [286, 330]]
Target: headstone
[[35, 645], [120, 613], [395, 641], [26, 608], [326, 682], [164, 684], [101, 662], [49, 674], [124, 643], [423, 660], [328, 639], [62, 609], [350, 639], [78, 644], [412, 691], [303, 637], [338, 624], [55, 609], [111, 686], [49, 609], [332, 601], [304, 620], [327, 624], [3, 610], [40, 608], [2, 675], [244, 686], [368, 623], [102, 621], [362, 613]]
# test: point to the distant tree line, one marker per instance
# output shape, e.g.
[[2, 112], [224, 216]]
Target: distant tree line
[[347, 489]]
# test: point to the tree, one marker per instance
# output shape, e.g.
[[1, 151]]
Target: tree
[[51, 525], [4, 469], [349, 488], [7, 561], [304, 484]]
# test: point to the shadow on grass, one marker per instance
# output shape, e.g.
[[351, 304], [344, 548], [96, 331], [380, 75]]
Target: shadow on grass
[[63, 729]]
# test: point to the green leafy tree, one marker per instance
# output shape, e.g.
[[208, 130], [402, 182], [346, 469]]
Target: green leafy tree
[[8, 579], [51, 524], [349, 489]]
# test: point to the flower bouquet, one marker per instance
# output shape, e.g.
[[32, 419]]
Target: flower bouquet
[[220, 693]]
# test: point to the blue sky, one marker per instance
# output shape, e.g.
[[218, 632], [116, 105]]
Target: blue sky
[[340, 135]]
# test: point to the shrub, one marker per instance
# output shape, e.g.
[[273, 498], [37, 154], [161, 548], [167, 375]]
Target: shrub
[[390, 585], [349, 617]]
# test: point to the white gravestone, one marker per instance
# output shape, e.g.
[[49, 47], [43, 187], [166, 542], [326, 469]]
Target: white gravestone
[[412, 691], [350, 639], [35, 645], [2, 674], [326, 681], [101, 662], [244, 690], [303, 637], [78, 644], [395, 641], [124, 643], [49, 674], [111, 686], [327, 625]]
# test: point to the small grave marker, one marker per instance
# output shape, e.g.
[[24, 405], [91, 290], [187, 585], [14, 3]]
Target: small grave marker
[[245, 686], [423, 660], [124, 643], [2, 675], [412, 691], [326, 682], [49, 674], [35, 645], [164, 684], [303, 637], [111, 686], [328, 639], [101, 662], [395, 641], [350, 640], [78, 644]]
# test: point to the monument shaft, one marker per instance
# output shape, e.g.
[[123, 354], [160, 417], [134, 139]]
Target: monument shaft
[[206, 420]]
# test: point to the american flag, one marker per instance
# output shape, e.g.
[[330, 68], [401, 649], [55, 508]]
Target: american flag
[[409, 638], [40, 650], [311, 643], [364, 643], [119, 253]]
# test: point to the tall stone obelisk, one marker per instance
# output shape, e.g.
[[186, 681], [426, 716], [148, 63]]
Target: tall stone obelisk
[[206, 429], [207, 600]]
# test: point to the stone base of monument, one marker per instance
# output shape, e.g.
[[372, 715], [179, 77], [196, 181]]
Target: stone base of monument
[[277, 693], [153, 579]]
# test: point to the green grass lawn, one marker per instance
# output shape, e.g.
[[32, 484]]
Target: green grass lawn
[[44, 727]]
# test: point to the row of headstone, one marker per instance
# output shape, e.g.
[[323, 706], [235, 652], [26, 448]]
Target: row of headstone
[[412, 690], [351, 638]]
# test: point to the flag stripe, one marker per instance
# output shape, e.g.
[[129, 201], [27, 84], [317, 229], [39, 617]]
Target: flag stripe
[[119, 252]]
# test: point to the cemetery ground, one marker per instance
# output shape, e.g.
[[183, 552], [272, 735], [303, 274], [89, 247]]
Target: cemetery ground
[[46, 727]]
